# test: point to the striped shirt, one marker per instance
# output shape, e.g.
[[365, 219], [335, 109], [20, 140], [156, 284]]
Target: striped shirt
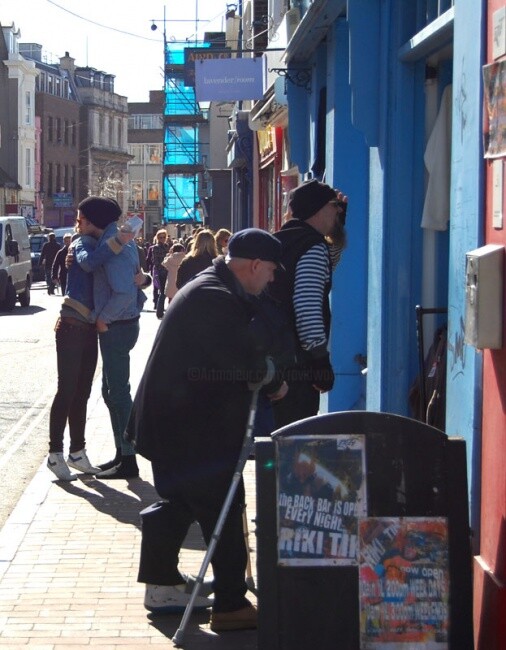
[[311, 275]]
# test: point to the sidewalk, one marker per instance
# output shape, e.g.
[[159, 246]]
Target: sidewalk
[[69, 555]]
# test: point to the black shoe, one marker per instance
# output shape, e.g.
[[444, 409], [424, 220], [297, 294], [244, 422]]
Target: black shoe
[[111, 463], [127, 468]]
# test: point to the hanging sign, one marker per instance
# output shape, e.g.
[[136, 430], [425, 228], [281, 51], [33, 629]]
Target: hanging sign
[[404, 583], [320, 496], [229, 79], [192, 54]]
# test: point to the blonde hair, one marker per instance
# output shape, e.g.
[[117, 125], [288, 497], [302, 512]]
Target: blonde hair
[[204, 242], [220, 235]]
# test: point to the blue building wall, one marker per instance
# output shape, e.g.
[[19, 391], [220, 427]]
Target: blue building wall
[[464, 379]]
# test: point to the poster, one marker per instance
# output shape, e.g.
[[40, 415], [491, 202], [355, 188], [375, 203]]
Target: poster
[[404, 583], [494, 86], [321, 494]]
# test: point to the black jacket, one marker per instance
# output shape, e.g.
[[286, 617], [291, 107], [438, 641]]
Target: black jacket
[[190, 266], [190, 411]]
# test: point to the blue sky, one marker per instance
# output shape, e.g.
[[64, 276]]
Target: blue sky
[[113, 35]]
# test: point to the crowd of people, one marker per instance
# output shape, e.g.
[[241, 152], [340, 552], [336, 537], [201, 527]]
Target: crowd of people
[[239, 305]]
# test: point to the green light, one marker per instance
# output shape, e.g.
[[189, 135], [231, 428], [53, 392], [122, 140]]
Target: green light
[[269, 464]]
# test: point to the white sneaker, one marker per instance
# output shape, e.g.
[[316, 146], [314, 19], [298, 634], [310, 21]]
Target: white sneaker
[[80, 461], [161, 599], [206, 588], [58, 466]]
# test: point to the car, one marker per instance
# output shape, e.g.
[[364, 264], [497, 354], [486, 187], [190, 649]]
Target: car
[[15, 265], [36, 244]]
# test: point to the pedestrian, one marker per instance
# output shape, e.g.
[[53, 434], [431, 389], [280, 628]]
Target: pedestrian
[[118, 302], [171, 264], [47, 255], [316, 226], [59, 269], [222, 236], [77, 350], [201, 255], [155, 257], [141, 248], [189, 419]]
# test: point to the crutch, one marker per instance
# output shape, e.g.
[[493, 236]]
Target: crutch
[[243, 457]]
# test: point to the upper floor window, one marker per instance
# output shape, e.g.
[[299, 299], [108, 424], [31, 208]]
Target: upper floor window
[[135, 150], [50, 128], [28, 107], [140, 121], [50, 84]]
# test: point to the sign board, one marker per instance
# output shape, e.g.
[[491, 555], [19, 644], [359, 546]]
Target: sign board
[[404, 583], [320, 496], [192, 54], [228, 80], [63, 200]]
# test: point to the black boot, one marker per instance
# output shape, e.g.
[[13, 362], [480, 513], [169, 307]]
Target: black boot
[[127, 468], [112, 463]]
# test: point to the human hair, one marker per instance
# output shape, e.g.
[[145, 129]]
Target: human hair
[[161, 231], [203, 242], [177, 248], [222, 236]]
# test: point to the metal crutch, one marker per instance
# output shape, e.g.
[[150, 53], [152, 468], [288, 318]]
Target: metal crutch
[[250, 580], [243, 457]]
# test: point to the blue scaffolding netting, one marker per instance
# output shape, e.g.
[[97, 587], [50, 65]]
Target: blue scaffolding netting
[[182, 154]]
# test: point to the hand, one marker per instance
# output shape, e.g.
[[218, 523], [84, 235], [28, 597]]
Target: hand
[[321, 374], [69, 259], [280, 393], [101, 326], [342, 206], [140, 279]]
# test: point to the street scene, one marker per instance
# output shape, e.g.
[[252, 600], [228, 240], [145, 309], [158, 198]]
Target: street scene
[[263, 240]]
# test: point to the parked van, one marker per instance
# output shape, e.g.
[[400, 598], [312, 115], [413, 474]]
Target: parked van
[[15, 263]]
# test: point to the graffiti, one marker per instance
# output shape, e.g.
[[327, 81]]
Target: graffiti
[[457, 349], [462, 103]]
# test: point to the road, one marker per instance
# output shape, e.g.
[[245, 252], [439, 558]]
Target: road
[[27, 387]]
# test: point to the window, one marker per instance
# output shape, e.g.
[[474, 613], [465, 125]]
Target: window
[[120, 133], [135, 193], [28, 167], [57, 89], [153, 192], [58, 177], [66, 177], [50, 84], [154, 154], [50, 129], [49, 184], [28, 107], [72, 185], [135, 150], [74, 133], [140, 121], [58, 130], [66, 129]]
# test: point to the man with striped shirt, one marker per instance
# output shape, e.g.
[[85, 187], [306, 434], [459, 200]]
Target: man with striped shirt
[[312, 240]]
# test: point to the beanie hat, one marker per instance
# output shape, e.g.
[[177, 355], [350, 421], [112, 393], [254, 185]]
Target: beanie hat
[[310, 197], [100, 210]]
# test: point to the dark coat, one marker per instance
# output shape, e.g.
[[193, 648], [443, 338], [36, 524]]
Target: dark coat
[[190, 266], [190, 411]]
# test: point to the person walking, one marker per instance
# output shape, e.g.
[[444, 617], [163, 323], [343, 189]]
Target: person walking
[[118, 302], [189, 418], [171, 264], [155, 257], [201, 255], [77, 348], [47, 255], [59, 269], [311, 240], [222, 236]]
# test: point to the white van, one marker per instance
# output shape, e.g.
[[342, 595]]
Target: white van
[[15, 263]]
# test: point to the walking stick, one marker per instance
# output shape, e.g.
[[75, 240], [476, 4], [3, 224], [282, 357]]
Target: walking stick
[[250, 580], [243, 457]]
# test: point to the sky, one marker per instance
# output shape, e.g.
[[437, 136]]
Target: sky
[[114, 36]]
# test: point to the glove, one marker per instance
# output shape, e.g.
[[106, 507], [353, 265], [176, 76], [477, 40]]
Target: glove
[[267, 378], [321, 373]]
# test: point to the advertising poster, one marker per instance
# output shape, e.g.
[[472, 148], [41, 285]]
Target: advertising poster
[[494, 86], [321, 493], [404, 583]]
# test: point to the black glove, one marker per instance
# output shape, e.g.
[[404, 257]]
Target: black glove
[[321, 374]]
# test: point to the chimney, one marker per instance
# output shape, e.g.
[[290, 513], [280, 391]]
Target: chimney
[[68, 63]]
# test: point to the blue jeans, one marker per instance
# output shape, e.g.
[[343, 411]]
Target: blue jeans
[[115, 346]]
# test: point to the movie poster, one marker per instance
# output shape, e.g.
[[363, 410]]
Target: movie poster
[[321, 493], [404, 583], [494, 85]]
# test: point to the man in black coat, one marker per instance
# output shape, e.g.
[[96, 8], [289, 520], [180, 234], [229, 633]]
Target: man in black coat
[[189, 419]]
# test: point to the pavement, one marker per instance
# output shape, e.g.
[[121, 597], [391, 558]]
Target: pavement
[[69, 554]]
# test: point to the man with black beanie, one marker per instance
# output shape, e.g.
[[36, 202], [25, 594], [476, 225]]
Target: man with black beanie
[[311, 241]]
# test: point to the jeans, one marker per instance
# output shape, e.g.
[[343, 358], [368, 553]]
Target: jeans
[[115, 346], [164, 528], [49, 280], [76, 354]]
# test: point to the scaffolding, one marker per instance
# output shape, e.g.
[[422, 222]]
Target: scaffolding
[[183, 166]]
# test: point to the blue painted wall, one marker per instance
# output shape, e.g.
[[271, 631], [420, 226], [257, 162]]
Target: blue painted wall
[[464, 380]]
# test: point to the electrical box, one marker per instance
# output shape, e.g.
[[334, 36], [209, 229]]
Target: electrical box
[[484, 297]]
